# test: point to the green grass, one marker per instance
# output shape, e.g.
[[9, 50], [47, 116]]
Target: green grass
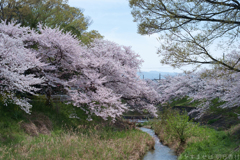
[[185, 101], [181, 102], [213, 145], [214, 106], [212, 121]]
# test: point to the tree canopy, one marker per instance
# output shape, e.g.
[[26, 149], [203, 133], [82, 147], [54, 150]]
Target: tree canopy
[[52, 13], [190, 29]]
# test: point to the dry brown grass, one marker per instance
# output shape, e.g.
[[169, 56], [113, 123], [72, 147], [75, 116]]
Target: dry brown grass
[[39, 124], [235, 130], [167, 141], [127, 145]]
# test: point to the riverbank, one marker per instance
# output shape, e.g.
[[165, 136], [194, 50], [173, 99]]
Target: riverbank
[[193, 141], [49, 133]]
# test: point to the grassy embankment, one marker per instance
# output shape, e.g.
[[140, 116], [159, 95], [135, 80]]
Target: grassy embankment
[[193, 141], [49, 133]]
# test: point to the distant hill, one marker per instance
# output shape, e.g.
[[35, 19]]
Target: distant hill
[[155, 74]]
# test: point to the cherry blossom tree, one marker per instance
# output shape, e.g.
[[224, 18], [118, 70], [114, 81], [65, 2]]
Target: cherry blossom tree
[[113, 71], [96, 77], [15, 59], [179, 86], [222, 85], [203, 86]]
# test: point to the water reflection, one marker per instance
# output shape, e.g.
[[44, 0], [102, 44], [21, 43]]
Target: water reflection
[[161, 152]]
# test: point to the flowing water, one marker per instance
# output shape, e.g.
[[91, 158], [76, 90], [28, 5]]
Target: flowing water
[[161, 152]]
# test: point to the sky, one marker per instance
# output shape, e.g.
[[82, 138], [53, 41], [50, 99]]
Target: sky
[[113, 20]]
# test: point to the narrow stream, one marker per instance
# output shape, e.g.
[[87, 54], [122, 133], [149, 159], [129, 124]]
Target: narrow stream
[[161, 152]]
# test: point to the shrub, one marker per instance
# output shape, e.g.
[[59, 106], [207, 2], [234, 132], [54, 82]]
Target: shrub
[[179, 126], [174, 127]]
